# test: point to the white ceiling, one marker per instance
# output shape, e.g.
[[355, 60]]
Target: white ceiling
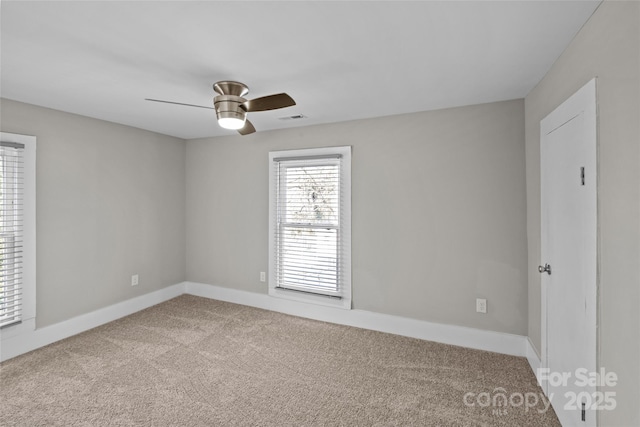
[[340, 60]]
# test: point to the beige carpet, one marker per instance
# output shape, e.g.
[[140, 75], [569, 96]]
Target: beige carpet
[[198, 362]]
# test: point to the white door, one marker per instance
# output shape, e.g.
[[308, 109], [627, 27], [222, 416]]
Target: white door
[[569, 248]]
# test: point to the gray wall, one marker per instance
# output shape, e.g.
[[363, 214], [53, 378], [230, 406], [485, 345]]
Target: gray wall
[[608, 47], [110, 203], [438, 212]]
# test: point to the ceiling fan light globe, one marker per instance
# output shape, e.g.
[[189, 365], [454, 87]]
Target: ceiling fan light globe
[[232, 123], [232, 118]]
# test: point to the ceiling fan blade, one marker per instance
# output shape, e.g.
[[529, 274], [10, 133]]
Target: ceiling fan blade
[[247, 129], [178, 103], [271, 102]]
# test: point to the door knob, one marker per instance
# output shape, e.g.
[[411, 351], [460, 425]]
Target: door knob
[[546, 268]]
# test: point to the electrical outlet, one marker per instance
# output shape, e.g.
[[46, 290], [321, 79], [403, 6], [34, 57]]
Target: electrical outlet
[[481, 305], [263, 276], [134, 280]]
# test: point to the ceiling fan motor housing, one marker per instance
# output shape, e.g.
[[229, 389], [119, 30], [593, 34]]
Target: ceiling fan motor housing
[[228, 102], [230, 106]]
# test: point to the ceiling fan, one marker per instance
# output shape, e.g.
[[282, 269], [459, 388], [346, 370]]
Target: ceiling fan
[[232, 108]]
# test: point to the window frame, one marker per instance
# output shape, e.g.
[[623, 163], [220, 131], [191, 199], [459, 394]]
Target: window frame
[[344, 228], [28, 315]]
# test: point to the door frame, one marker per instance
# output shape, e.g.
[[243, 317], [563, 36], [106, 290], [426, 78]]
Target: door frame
[[583, 101]]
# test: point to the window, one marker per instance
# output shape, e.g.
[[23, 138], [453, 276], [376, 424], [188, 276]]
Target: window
[[17, 232], [310, 225]]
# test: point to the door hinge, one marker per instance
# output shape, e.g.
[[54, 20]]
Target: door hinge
[[584, 415], [582, 174]]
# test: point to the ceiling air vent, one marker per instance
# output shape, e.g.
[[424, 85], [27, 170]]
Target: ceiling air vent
[[294, 117]]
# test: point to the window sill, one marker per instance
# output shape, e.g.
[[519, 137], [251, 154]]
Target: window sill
[[344, 303]]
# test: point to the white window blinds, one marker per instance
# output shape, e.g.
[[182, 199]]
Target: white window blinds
[[310, 220], [11, 232]]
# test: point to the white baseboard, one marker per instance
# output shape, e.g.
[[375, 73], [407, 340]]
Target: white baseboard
[[516, 345], [535, 362], [13, 346], [498, 342], [533, 357]]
